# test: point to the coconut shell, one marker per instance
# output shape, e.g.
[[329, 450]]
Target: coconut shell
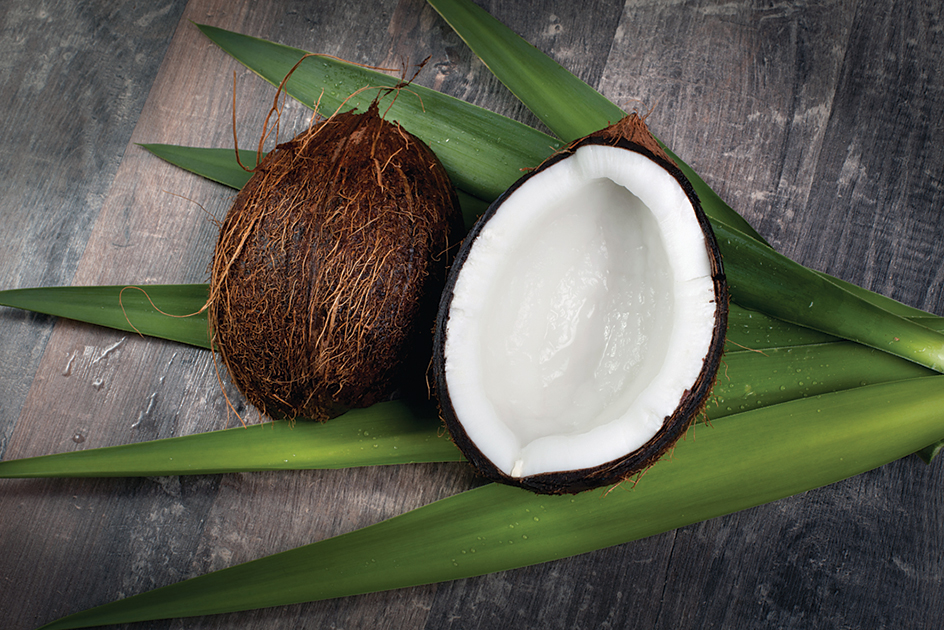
[[329, 265], [632, 134]]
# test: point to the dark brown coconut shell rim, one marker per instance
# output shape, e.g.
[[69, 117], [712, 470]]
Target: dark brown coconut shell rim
[[691, 404]]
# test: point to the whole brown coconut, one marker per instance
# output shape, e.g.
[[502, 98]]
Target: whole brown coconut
[[329, 265]]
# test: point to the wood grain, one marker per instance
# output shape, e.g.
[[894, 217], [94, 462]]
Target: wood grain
[[819, 121]]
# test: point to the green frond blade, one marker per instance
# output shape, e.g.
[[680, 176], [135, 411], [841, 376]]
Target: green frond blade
[[384, 434], [737, 463], [168, 311], [482, 152]]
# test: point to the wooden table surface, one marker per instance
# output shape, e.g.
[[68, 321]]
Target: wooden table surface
[[820, 122]]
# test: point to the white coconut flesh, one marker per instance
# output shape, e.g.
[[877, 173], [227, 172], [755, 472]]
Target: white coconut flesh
[[582, 314]]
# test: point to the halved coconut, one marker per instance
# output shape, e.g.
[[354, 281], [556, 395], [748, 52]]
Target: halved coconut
[[583, 319]]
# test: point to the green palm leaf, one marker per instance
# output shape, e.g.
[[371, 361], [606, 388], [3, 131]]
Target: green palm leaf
[[218, 165], [573, 109], [168, 311], [386, 433], [221, 166], [568, 106], [482, 152], [740, 462]]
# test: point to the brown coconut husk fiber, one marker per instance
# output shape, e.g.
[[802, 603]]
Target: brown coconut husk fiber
[[329, 266]]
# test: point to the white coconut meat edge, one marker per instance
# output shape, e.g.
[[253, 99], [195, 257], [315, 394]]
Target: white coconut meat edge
[[570, 338]]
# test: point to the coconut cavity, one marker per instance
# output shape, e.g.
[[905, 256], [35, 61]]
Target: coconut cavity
[[329, 265], [582, 324]]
